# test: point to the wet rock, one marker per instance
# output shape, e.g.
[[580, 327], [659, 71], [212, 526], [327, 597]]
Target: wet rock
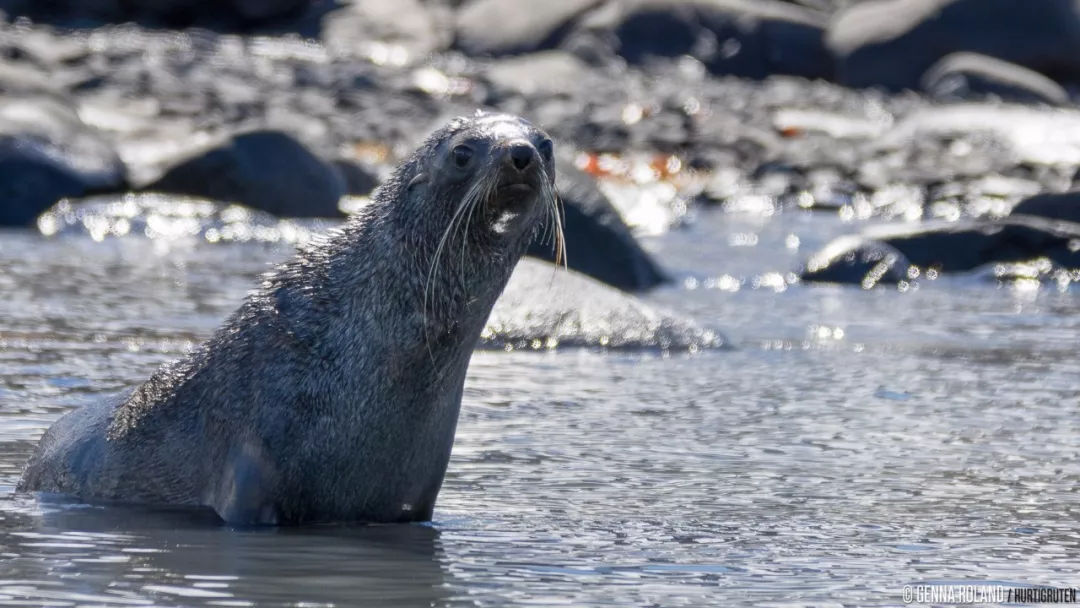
[[1055, 206], [46, 154], [495, 27], [544, 307], [598, 242], [857, 261], [408, 25], [737, 37], [265, 170], [967, 75], [892, 43], [171, 218], [951, 246]]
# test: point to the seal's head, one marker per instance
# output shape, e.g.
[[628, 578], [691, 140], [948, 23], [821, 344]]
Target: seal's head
[[489, 177]]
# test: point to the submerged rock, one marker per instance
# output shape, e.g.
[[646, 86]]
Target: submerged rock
[[854, 260], [267, 170], [544, 307], [598, 242], [967, 75], [46, 154], [169, 217], [892, 43], [945, 247]]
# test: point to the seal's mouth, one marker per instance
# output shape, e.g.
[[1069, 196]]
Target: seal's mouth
[[515, 195], [513, 190]]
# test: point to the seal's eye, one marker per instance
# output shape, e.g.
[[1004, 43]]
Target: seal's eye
[[546, 149], [462, 155]]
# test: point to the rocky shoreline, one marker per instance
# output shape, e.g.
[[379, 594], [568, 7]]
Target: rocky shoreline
[[658, 108]]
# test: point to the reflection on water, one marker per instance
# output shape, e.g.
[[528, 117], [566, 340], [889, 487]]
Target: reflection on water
[[853, 443]]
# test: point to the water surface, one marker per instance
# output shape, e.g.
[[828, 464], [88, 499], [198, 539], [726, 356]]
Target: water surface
[[853, 442]]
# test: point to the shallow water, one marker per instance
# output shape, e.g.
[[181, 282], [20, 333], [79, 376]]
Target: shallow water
[[853, 442]]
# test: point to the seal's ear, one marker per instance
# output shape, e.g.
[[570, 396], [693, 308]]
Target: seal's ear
[[419, 178]]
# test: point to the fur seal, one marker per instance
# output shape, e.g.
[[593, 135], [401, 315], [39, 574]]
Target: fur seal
[[332, 393]]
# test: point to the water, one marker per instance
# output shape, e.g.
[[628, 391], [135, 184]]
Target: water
[[854, 442]]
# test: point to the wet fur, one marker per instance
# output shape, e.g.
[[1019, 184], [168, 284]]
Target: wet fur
[[332, 394]]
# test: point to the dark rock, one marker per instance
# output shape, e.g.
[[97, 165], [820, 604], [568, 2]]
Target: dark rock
[[737, 37], [857, 261], [46, 154], [1051, 205], [953, 246], [495, 27], [173, 13], [544, 307], [359, 179], [265, 170], [967, 75], [598, 242], [892, 43]]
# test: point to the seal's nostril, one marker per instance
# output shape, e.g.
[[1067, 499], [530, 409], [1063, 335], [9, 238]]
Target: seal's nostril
[[521, 155]]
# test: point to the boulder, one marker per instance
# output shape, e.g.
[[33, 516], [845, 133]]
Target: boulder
[[1051, 205], [496, 27], [265, 170], [46, 154], [545, 73], [544, 307], [598, 242], [359, 178], [746, 38], [892, 43], [950, 247], [968, 75], [173, 13], [416, 28]]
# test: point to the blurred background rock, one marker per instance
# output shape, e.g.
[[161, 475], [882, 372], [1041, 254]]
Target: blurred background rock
[[881, 109]]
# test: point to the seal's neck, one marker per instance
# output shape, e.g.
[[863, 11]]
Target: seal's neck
[[385, 280]]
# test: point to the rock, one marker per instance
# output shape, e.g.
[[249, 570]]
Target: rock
[[967, 75], [22, 78], [495, 27], [892, 43], [739, 37], [544, 307], [169, 217], [173, 13], [1055, 206], [46, 154], [265, 170], [413, 27], [264, 10], [544, 73], [951, 247], [598, 242], [853, 260], [359, 178]]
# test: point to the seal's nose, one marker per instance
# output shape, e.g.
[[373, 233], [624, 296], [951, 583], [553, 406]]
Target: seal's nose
[[521, 154]]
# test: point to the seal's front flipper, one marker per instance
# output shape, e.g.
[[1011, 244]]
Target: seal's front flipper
[[244, 494]]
